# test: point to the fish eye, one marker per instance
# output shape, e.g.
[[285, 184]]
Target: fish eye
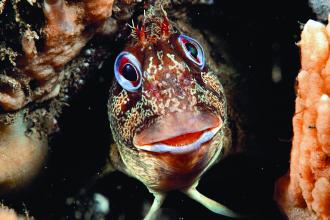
[[193, 50], [128, 72]]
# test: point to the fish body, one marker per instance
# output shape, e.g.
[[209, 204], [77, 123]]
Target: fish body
[[167, 111]]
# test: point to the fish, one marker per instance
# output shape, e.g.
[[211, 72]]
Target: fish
[[167, 111]]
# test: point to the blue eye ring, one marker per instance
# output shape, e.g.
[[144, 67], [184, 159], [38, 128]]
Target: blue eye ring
[[193, 50], [126, 59]]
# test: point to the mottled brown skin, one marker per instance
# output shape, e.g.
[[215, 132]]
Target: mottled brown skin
[[171, 84]]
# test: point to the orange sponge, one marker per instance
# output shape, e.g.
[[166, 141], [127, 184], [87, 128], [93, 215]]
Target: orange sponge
[[304, 193]]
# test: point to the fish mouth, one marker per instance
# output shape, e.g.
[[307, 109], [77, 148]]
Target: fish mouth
[[178, 133]]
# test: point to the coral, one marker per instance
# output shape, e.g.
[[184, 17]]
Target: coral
[[321, 8], [9, 214], [22, 153], [304, 193], [38, 74]]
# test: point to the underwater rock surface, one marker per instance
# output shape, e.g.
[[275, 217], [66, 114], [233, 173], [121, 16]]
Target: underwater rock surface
[[47, 53]]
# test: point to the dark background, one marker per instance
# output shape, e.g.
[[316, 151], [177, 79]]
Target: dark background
[[259, 35]]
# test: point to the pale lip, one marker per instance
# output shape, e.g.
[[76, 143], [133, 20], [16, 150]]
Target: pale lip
[[156, 137], [164, 148]]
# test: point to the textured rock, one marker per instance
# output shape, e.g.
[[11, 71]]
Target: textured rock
[[67, 30]]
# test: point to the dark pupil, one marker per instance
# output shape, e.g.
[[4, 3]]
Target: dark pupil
[[129, 72], [192, 50]]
